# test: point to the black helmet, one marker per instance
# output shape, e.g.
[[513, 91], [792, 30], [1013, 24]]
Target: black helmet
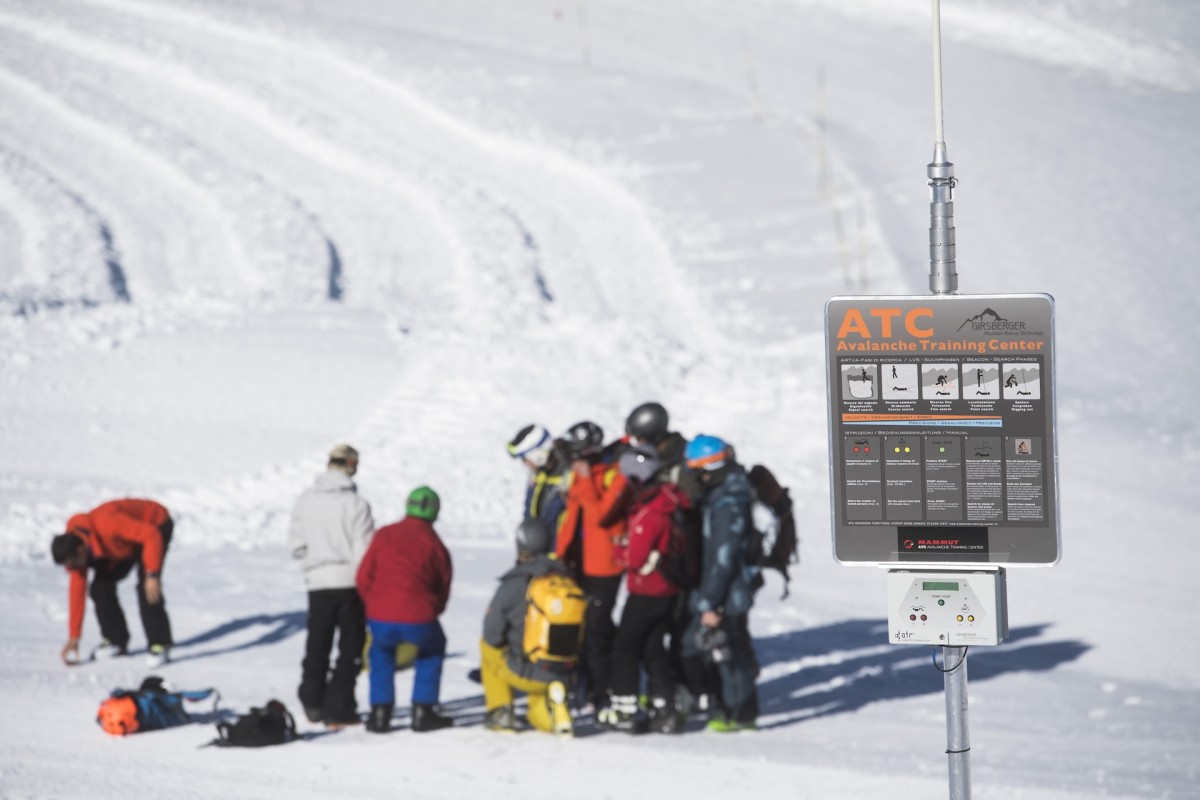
[[533, 537], [648, 422], [583, 439]]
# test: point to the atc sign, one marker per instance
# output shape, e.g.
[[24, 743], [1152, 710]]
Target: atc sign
[[942, 437]]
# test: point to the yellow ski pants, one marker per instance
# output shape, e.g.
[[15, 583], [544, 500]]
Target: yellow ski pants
[[499, 683]]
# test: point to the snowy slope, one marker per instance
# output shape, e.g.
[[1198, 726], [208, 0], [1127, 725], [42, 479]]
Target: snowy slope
[[234, 233]]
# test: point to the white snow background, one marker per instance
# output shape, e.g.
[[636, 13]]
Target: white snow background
[[233, 234]]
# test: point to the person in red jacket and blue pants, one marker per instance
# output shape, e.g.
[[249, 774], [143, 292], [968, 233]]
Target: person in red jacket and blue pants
[[404, 582]]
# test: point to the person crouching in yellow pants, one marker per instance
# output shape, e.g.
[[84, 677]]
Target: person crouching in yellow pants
[[504, 667], [547, 700]]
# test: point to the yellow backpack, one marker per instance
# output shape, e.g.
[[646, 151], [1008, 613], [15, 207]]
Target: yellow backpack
[[555, 608]]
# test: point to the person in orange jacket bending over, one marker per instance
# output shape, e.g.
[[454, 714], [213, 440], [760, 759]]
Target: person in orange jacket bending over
[[111, 540], [592, 526]]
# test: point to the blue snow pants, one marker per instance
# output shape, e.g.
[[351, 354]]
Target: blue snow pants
[[430, 641]]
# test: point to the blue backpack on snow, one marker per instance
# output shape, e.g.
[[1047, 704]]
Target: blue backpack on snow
[[151, 707]]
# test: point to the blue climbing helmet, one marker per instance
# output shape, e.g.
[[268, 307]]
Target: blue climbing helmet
[[706, 453], [423, 503]]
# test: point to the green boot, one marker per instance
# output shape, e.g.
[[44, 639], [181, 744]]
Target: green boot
[[725, 725]]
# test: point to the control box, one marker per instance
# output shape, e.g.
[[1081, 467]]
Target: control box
[[947, 608]]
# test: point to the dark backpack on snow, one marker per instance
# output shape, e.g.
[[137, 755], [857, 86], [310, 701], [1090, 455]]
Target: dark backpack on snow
[[272, 724]]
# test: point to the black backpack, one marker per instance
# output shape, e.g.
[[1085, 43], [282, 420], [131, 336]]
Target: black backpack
[[272, 724], [681, 563], [781, 550]]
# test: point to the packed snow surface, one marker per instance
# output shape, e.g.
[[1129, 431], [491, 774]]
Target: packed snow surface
[[236, 232]]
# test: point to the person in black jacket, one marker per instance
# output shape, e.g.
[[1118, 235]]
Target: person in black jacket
[[505, 668], [720, 603]]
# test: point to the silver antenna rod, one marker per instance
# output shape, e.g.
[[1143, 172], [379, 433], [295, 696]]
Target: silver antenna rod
[[943, 279]]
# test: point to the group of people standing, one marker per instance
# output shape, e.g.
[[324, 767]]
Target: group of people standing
[[614, 513], [595, 513]]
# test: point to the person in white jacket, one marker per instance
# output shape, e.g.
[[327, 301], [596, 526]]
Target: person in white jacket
[[330, 530]]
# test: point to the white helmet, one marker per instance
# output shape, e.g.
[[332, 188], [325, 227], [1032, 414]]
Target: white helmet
[[532, 443]]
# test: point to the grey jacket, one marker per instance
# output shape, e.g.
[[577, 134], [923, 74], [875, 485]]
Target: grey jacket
[[330, 530], [504, 623], [726, 578]]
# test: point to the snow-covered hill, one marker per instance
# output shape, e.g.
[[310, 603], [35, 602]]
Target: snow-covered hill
[[235, 233]]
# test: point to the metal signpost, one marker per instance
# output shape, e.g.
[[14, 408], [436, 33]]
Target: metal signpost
[[943, 449]]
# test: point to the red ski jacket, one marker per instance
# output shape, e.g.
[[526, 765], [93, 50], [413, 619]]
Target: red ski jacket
[[405, 575], [650, 531], [117, 531]]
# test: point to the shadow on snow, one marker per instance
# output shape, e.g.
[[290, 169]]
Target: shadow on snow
[[809, 673], [280, 627], [845, 666]]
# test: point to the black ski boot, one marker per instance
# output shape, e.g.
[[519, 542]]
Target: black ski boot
[[425, 718], [663, 718], [623, 715], [380, 720], [501, 719]]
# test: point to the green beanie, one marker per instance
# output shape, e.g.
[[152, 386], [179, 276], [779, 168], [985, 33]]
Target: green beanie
[[423, 503]]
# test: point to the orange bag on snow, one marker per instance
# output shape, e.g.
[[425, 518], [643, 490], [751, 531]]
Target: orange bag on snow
[[119, 715]]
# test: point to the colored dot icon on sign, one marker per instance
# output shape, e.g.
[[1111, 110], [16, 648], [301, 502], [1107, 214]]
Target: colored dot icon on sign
[[897, 449], [941, 449], [856, 449], [866, 449], [907, 450]]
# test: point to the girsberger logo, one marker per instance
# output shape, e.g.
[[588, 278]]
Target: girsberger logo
[[989, 321]]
